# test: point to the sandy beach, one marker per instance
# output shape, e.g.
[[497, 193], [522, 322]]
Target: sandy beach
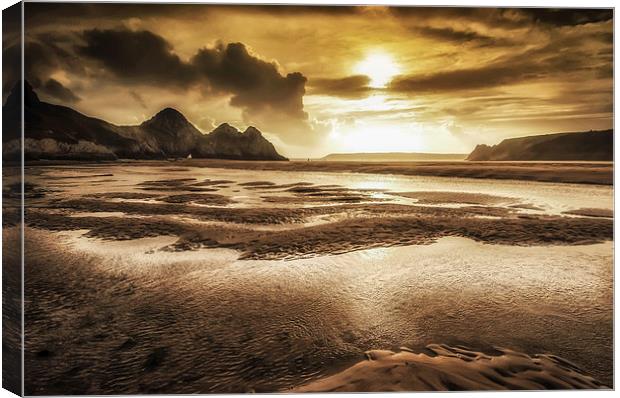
[[203, 276]]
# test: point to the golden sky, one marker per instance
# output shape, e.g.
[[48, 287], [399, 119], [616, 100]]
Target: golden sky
[[318, 80]]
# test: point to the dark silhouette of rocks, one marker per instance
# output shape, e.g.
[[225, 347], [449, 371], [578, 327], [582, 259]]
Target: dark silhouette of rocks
[[59, 132], [583, 146], [229, 143]]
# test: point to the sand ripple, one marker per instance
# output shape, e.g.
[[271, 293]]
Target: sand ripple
[[445, 368]]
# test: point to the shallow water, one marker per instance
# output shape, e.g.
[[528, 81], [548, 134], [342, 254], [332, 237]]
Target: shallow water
[[126, 317], [554, 198]]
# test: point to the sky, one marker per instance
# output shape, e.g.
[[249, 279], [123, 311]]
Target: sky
[[319, 80]]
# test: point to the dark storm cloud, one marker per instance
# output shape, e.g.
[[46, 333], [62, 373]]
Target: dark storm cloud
[[566, 16], [489, 76], [256, 85], [297, 9], [464, 79], [605, 37], [49, 13], [144, 58], [43, 58], [136, 56], [461, 36], [40, 62], [43, 13], [563, 58], [347, 87], [475, 27], [505, 18]]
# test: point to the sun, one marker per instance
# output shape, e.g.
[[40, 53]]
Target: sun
[[379, 67]]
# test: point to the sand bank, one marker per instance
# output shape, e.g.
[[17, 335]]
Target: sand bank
[[445, 368]]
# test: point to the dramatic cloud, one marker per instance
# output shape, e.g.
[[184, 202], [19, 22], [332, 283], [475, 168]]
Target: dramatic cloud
[[42, 13], [356, 86], [461, 36], [136, 56], [40, 62], [567, 17], [506, 17], [460, 76], [561, 59], [256, 86], [464, 79]]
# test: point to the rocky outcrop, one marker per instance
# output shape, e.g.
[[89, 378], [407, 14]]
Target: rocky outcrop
[[481, 152], [59, 132], [229, 143], [171, 132], [579, 146]]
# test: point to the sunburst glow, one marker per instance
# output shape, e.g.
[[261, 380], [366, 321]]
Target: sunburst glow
[[379, 67]]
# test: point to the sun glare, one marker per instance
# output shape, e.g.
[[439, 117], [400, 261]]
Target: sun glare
[[379, 67]]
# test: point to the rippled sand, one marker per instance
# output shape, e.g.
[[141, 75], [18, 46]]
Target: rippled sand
[[444, 368], [214, 280]]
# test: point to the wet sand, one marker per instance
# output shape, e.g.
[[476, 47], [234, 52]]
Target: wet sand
[[571, 172], [214, 280]]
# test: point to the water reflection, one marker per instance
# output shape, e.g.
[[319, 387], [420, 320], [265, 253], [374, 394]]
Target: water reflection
[[554, 198]]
